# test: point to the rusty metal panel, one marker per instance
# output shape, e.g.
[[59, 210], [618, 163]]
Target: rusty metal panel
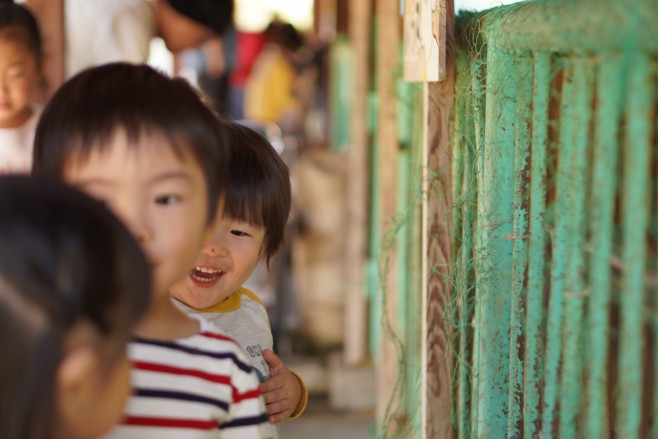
[[565, 225]]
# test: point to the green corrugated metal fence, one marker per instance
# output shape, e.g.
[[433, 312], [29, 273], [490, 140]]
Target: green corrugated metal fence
[[555, 221]]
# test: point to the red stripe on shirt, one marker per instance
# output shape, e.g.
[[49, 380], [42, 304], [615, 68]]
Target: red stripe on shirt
[[237, 397], [154, 367], [218, 337], [170, 423]]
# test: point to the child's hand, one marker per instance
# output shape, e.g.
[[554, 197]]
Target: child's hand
[[282, 391]]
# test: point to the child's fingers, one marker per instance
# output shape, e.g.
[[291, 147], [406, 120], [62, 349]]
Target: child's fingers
[[274, 383], [273, 360], [278, 412], [275, 396]]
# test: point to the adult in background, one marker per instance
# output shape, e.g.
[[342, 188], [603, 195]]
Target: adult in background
[[102, 31]]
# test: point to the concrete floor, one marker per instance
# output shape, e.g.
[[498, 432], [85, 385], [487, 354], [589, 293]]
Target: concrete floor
[[321, 422]]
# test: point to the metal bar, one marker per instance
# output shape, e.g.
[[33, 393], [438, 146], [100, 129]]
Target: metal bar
[[575, 289], [519, 239], [494, 259], [560, 241], [536, 248], [478, 101], [602, 225], [639, 112]]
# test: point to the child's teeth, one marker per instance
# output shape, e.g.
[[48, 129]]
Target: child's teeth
[[201, 279], [206, 270]]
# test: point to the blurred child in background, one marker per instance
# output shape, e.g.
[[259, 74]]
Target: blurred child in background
[[73, 285], [20, 76]]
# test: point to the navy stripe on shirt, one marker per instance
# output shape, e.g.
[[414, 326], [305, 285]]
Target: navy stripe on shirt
[[181, 396], [196, 351], [243, 422]]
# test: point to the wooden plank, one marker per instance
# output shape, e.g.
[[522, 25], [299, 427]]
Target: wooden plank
[[424, 40], [493, 262], [560, 242], [575, 287], [465, 274], [50, 16], [534, 341], [637, 152], [519, 247], [604, 182], [386, 366], [478, 69], [354, 350], [437, 351]]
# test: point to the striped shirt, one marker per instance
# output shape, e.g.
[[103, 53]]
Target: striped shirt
[[193, 388]]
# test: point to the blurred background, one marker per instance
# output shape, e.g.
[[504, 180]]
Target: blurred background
[[345, 293]]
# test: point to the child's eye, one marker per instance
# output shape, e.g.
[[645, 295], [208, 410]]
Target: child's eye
[[167, 199], [239, 233]]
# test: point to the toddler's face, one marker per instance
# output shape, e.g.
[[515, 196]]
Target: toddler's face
[[18, 78], [160, 197], [224, 264]]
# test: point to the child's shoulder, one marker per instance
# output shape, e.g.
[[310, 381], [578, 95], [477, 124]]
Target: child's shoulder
[[210, 339], [209, 347]]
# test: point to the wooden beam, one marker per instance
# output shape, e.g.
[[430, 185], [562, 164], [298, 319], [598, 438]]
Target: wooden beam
[[437, 376], [357, 187], [386, 366]]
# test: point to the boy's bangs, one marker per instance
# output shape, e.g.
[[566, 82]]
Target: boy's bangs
[[244, 205]]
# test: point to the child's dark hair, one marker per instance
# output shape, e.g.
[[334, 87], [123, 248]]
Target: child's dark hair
[[64, 260], [258, 185], [17, 22], [84, 114]]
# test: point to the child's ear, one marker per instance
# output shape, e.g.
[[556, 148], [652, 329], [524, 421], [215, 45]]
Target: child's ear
[[75, 384]]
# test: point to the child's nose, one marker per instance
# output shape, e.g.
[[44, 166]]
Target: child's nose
[[213, 249]]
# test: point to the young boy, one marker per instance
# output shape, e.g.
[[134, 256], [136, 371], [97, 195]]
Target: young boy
[[249, 228], [147, 146]]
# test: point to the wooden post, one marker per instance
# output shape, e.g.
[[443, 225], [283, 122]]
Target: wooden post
[[50, 16], [386, 366], [437, 374], [357, 186]]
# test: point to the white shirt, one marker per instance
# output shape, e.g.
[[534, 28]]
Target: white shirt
[[16, 146], [102, 31], [198, 387]]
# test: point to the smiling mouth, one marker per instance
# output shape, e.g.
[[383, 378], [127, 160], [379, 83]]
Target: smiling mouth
[[204, 275]]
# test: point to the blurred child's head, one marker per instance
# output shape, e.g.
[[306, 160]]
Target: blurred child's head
[[250, 225], [73, 284], [185, 24], [20, 63], [147, 146]]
